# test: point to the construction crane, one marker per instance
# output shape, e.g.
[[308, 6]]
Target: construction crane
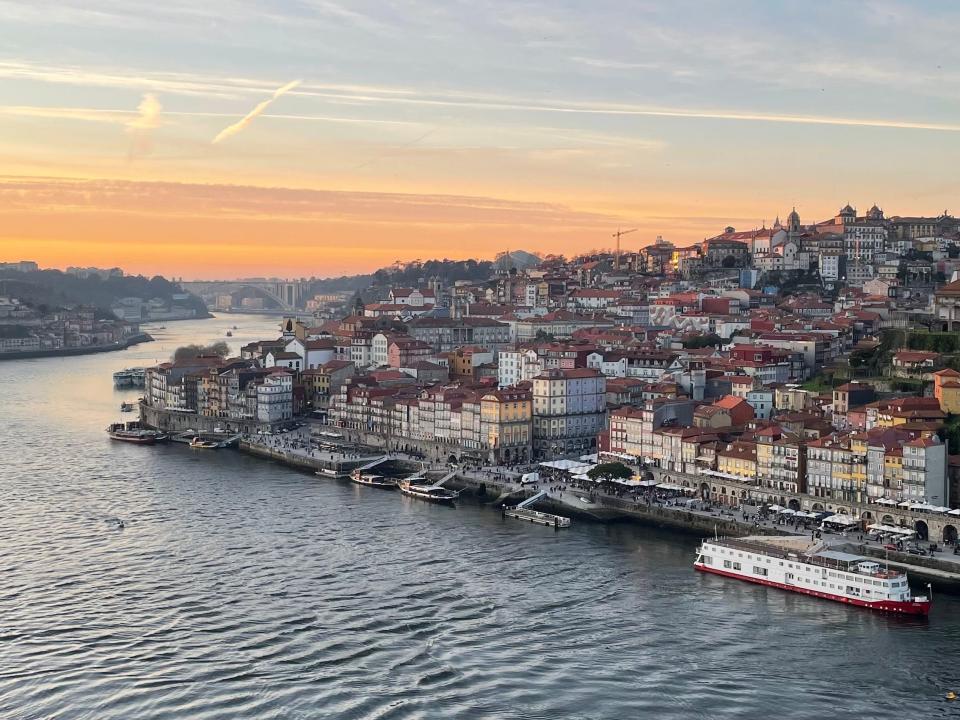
[[618, 234]]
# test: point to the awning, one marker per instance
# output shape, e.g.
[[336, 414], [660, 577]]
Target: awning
[[571, 466], [840, 520], [726, 476], [788, 511], [886, 501], [672, 486], [609, 453], [777, 508], [928, 508], [647, 483], [890, 529]]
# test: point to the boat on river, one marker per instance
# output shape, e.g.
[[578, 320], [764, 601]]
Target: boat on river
[[126, 407], [134, 432], [198, 443], [377, 481], [797, 565], [430, 493], [130, 378]]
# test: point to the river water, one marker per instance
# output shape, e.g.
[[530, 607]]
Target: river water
[[242, 589]]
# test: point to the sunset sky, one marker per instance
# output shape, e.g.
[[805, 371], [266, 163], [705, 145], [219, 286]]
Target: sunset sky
[[353, 133]]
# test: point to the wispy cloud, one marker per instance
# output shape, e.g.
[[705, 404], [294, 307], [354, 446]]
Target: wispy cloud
[[148, 114], [245, 121], [371, 95], [113, 117], [65, 196], [141, 127], [608, 64]]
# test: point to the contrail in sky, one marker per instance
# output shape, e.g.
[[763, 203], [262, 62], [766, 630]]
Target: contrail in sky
[[232, 130]]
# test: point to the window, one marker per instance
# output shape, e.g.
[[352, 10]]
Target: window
[[759, 570], [736, 566], [727, 564]]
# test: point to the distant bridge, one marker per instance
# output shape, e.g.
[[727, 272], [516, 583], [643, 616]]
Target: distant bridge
[[287, 294]]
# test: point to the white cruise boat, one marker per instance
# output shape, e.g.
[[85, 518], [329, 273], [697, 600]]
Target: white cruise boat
[[797, 565]]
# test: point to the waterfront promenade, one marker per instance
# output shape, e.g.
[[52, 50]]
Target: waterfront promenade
[[601, 502], [82, 350]]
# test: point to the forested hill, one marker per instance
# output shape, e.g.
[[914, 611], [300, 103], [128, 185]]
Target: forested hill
[[410, 274], [53, 288]]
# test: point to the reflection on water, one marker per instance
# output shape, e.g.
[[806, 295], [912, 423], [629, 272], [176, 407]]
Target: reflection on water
[[241, 589]]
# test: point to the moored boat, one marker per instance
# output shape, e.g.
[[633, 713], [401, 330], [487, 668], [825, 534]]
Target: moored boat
[[200, 444], [134, 432], [126, 407], [130, 377], [430, 493], [378, 481], [797, 565]]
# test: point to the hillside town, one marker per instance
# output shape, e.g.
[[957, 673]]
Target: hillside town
[[28, 330], [817, 361]]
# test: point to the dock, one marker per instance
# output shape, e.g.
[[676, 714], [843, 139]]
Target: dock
[[222, 440], [523, 511]]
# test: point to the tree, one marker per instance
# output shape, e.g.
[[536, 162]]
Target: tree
[[610, 471], [185, 352], [702, 341]]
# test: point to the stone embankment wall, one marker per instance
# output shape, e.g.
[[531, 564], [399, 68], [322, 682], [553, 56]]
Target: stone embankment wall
[[178, 422], [88, 350]]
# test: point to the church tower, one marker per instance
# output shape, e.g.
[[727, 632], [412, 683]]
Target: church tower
[[793, 222]]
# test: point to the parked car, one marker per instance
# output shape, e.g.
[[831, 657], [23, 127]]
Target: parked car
[[888, 546]]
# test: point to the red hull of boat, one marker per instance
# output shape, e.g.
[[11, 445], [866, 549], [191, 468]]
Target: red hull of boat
[[892, 606]]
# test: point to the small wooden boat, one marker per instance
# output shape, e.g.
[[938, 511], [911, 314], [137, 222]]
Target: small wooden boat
[[201, 444], [126, 407], [133, 432]]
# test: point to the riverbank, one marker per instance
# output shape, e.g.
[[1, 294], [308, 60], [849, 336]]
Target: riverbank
[[87, 350], [177, 318], [496, 488]]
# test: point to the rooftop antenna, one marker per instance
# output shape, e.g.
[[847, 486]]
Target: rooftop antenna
[[618, 234]]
